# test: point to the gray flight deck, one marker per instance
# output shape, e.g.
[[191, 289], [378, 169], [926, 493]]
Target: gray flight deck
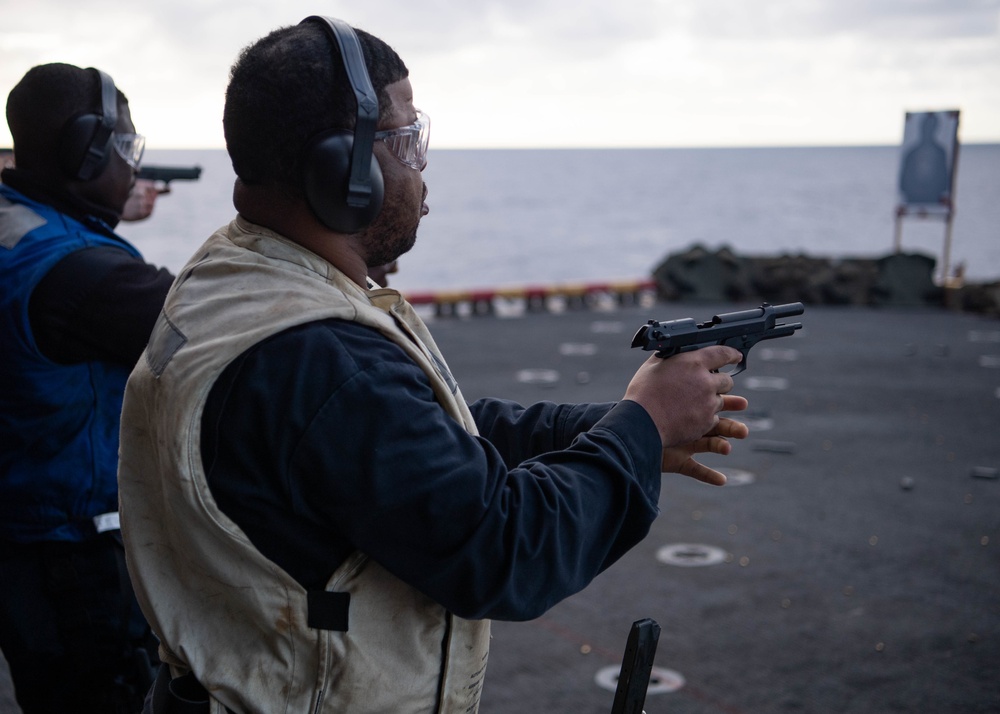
[[852, 565]]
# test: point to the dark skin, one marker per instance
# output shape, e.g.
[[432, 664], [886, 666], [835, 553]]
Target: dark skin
[[391, 234], [105, 190], [683, 395], [112, 187]]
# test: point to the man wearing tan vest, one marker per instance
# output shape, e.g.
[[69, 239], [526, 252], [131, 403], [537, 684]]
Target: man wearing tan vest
[[315, 519]]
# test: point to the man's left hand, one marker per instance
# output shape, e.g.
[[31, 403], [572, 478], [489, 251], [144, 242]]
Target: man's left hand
[[679, 459]]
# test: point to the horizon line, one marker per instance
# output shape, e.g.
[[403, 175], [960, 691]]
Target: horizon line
[[873, 145], [860, 145]]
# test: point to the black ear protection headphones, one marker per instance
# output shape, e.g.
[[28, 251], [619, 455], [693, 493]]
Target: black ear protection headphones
[[341, 177], [85, 140]]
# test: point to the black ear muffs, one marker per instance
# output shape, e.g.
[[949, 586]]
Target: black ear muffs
[[327, 177], [341, 177], [85, 141]]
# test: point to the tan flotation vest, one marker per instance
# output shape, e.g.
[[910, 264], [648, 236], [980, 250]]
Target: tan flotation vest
[[220, 608]]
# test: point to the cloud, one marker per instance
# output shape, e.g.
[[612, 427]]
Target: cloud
[[923, 19], [552, 73]]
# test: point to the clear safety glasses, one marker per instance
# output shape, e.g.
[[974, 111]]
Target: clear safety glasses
[[409, 143], [129, 147]]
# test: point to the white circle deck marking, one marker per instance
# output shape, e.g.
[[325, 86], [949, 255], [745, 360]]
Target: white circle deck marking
[[690, 555], [661, 681], [577, 349], [757, 423], [736, 477], [772, 354], [984, 335], [537, 376], [607, 327], [770, 384]]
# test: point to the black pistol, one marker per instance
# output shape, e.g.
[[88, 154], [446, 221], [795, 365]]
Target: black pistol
[[741, 330], [166, 174], [637, 664]]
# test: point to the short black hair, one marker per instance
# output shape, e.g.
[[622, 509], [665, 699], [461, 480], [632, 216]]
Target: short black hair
[[42, 103], [289, 86]]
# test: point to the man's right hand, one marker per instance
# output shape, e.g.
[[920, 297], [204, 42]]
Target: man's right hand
[[141, 200], [683, 394]]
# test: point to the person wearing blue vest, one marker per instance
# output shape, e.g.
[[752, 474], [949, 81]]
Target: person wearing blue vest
[[77, 303]]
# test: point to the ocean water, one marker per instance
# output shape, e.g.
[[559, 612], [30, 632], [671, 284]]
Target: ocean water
[[508, 218]]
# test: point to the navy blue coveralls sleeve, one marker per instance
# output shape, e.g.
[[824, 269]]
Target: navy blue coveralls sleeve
[[97, 304], [327, 438]]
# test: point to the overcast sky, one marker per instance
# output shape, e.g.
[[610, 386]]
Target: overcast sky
[[562, 73]]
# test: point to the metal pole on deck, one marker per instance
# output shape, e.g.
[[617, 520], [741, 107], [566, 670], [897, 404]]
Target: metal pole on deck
[[946, 253]]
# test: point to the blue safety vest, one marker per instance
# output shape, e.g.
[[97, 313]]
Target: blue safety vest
[[58, 422]]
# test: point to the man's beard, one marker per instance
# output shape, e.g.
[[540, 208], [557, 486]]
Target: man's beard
[[389, 237], [386, 248]]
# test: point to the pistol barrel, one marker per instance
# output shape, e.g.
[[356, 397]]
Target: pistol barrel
[[792, 308]]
